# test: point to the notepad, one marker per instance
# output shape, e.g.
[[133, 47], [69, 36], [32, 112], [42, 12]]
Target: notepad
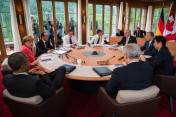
[[46, 57], [102, 71], [59, 52]]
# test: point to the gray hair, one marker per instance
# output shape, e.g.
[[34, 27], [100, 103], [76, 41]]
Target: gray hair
[[129, 31], [132, 50]]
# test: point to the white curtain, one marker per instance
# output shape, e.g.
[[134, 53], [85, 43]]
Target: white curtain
[[149, 19], [27, 17], [127, 15], [143, 19], [120, 16], [15, 30], [79, 23]]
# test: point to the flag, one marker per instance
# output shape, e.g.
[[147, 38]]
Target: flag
[[170, 29], [160, 28]]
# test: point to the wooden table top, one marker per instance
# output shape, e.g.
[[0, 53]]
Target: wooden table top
[[84, 72]]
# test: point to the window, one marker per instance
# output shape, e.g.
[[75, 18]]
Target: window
[[156, 17], [114, 19], [72, 13], [34, 19], [106, 19], [99, 17], [137, 22], [90, 12], [5, 20], [132, 19], [60, 18], [48, 20]]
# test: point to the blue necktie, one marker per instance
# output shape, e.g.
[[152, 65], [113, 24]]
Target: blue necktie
[[147, 46], [98, 40], [70, 41]]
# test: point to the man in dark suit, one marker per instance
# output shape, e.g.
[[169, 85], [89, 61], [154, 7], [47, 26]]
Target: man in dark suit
[[119, 33], [21, 84], [127, 39], [139, 33], [43, 45], [162, 63], [134, 76], [149, 48]]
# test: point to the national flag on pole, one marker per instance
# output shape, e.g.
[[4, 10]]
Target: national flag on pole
[[170, 29], [160, 28]]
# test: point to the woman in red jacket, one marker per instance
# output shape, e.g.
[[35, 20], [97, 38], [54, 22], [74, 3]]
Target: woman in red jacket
[[27, 49]]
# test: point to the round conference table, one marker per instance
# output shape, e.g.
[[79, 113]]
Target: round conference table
[[83, 78]]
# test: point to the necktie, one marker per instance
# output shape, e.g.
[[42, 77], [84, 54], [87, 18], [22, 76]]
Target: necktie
[[127, 39], [98, 40], [147, 46], [70, 40]]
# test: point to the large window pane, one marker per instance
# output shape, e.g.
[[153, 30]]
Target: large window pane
[[114, 19], [137, 18], [132, 19], [34, 19], [5, 20], [106, 19], [48, 20], [90, 11], [60, 19], [98, 17], [157, 13], [166, 15], [72, 14]]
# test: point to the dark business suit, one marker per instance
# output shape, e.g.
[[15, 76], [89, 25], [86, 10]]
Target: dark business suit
[[162, 63], [134, 76], [121, 34], [131, 40], [149, 50], [40, 48], [23, 85], [141, 33]]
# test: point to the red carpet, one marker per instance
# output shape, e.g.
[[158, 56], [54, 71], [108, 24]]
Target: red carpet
[[84, 105]]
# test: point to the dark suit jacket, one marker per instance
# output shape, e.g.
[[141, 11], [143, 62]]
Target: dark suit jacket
[[151, 50], [162, 63], [40, 48], [134, 76], [131, 40], [121, 34], [141, 33], [22, 85]]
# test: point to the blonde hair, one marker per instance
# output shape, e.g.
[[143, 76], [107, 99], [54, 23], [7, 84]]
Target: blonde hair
[[27, 38]]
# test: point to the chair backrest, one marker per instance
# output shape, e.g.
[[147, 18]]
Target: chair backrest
[[5, 68], [31, 100]]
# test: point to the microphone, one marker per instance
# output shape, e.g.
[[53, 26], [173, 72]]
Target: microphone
[[67, 56], [110, 58], [121, 58]]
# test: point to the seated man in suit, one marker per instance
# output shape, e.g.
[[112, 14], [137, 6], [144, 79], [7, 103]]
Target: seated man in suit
[[43, 45], [97, 39], [162, 63], [21, 84], [127, 39], [135, 75], [149, 48], [69, 40], [119, 33], [139, 33]]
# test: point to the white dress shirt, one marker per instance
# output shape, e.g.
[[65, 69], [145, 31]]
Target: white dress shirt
[[127, 40], [66, 41], [95, 40]]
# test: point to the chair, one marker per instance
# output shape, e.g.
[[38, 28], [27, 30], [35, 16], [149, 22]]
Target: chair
[[111, 108], [167, 86], [50, 107], [5, 69]]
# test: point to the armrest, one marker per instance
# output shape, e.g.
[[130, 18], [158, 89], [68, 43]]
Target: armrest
[[166, 84], [106, 102], [59, 98]]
